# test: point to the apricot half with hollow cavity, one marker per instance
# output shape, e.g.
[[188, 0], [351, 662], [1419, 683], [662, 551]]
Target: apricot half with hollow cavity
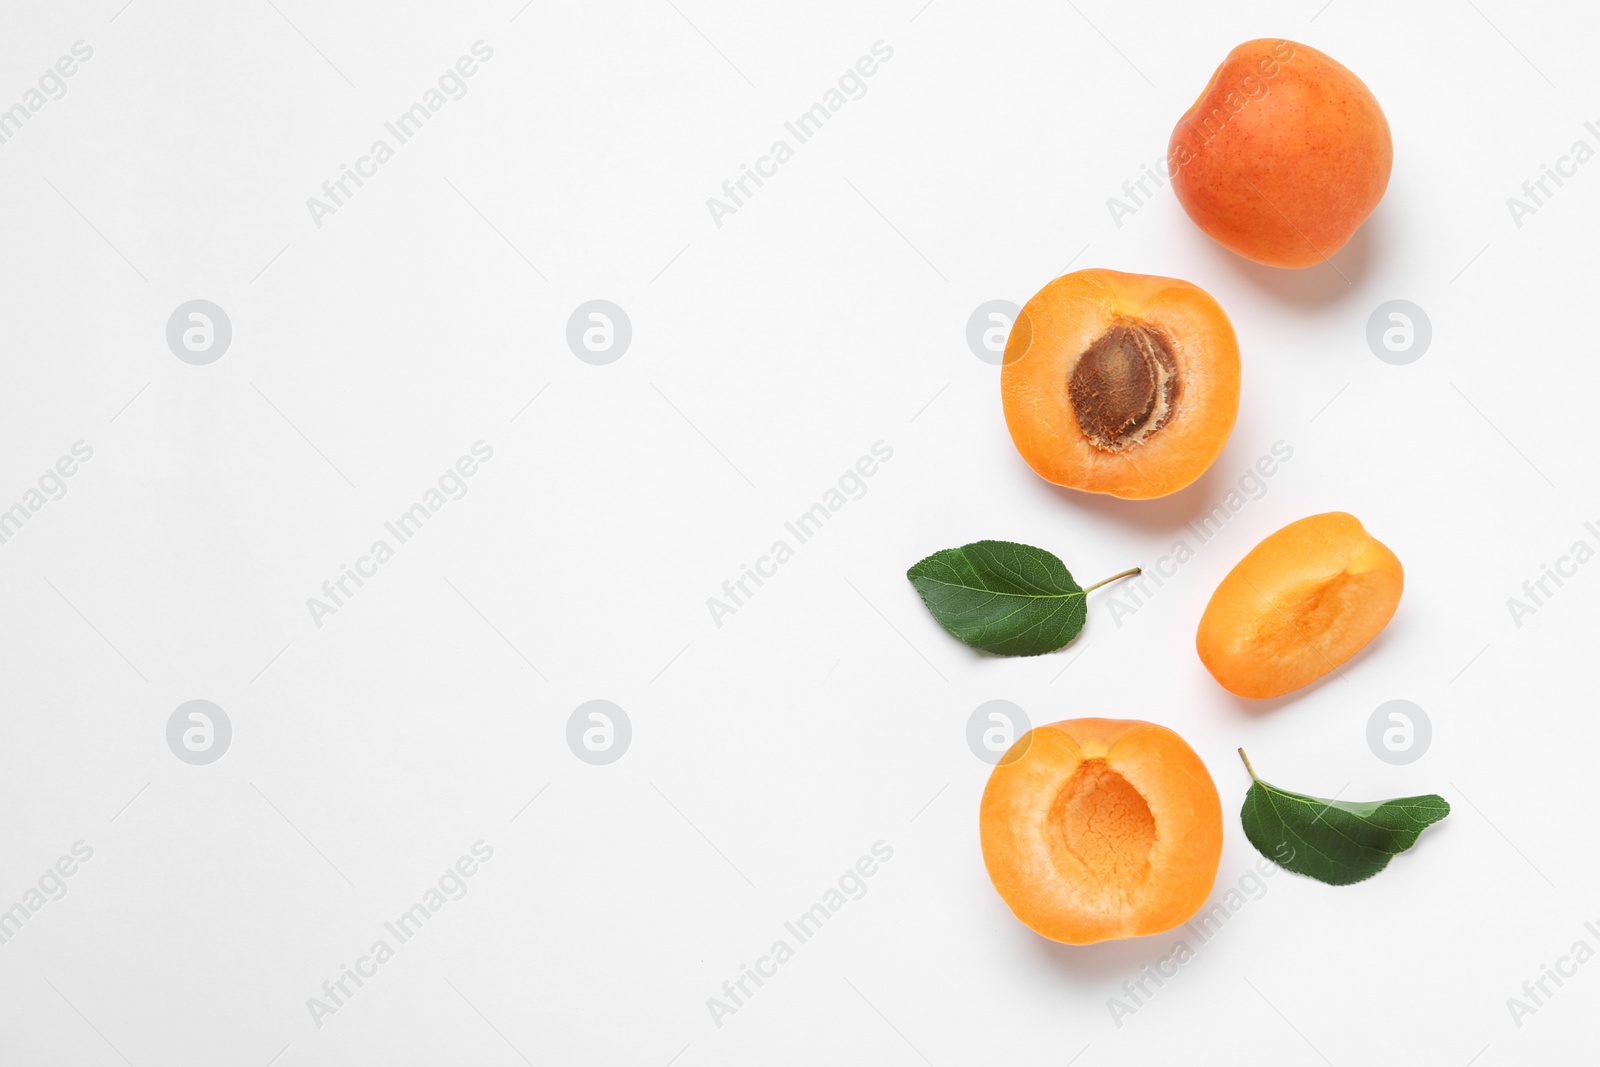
[[1095, 829], [1126, 384], [1299, 605]]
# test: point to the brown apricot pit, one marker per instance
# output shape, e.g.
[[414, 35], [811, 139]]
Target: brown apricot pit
[[1124, 387]]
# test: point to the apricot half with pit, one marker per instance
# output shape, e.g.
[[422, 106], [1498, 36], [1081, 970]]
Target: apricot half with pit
[[1298, 606], [1126, 384], [1095, 829], [1284, 155]]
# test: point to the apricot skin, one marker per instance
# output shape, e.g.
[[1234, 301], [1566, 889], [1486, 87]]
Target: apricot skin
[[1095, 829], [1060, 323], [1284, 155], [1299, 605]]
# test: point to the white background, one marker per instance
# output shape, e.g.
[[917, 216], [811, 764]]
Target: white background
[[768, 354]]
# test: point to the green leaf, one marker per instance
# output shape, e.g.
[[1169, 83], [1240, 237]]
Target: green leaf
[[1004, 598], [1333, 841]]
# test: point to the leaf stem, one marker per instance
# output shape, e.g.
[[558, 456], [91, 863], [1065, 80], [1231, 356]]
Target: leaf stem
[[1129, 573], [1247, 766]]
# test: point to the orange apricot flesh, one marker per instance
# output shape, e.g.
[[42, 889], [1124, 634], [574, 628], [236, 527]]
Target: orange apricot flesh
[[1283, 156], [1095, 829], [1126, 384], [1298, 606]]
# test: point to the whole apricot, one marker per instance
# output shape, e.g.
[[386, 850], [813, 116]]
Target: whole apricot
[[1284, 155], [1095, 829], [1126, 384], [1299, 605]]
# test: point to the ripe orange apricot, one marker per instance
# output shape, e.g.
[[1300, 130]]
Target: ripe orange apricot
[[1301, 603], [1094, 829], [1284, 155], [1126, 384]]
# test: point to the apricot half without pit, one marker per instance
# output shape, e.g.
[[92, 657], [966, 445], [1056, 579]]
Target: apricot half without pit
[[1298, 606], [1126, 384], [1095, 829]]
